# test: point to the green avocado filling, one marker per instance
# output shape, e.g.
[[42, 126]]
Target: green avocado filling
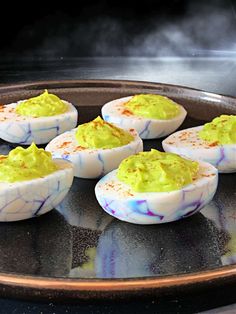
[[44, 105], [153, 106], [26, 164], [221, 130], [101, 134], [155, 171]]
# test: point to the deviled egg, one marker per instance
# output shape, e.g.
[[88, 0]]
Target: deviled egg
[[153, 116], [38, 119], [214, 142], [155, 187], [95, 148], [32, 183]]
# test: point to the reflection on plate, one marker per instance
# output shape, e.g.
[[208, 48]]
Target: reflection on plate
[[127, 250], [223, 213]]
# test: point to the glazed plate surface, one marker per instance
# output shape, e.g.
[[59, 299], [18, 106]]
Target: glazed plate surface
[[79, 251]]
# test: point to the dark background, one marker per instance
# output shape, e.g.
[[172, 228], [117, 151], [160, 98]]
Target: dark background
[[152, 28]]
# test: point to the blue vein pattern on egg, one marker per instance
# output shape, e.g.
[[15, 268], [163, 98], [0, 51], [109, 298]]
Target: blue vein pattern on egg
[[88, 162], [15, 128], [118, 199], [188, 143], [115, 112], [27, 199]]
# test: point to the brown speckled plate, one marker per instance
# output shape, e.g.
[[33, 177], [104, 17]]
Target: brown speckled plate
[[82, 252]]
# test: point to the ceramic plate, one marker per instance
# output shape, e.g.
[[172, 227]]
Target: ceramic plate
[[79, 251]]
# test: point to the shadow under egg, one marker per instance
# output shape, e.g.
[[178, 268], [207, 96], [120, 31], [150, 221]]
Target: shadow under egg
[[80, 207], [41, 246]]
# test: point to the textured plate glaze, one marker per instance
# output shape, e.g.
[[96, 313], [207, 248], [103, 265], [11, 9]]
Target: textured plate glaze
[[79, 251]]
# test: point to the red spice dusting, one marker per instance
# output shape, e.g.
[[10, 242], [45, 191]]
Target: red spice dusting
[[131, 130], [79, 148], [2, 108], [208, 175], [213, 144], [23, 165], [184, 135], [110, 185], [64, 144], [126, 112], [97, 124], [170, 143], [130, 194]]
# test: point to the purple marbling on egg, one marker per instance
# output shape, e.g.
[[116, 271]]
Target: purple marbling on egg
[[156, 207], [27, 199], [19, 129], [145, 129], [222, 156]]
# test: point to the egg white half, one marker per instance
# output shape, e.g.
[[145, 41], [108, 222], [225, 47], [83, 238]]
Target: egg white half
[[92, 163], [27, 199], [120, 201], [147, 128], [188, 143], [15, 128]]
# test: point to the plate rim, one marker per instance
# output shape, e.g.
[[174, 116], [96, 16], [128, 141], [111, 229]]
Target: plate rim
[[27, 84], [117, 284]]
